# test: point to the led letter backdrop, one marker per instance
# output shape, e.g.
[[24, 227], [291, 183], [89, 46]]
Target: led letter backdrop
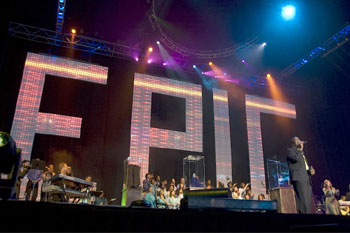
[[254, 106], [28, 120], [222, 136], [144, 136]]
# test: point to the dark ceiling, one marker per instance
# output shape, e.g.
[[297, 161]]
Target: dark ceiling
[[199, 24]]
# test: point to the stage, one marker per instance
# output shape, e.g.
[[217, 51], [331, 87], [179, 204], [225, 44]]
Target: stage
[[44, 217]]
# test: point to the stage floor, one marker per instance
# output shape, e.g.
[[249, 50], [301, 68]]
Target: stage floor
[[43, 217]]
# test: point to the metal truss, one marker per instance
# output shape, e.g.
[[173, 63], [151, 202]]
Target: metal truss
[[109, 49], [200, 54], [260, 82], [71, 41], [325, 49], [60, 15]]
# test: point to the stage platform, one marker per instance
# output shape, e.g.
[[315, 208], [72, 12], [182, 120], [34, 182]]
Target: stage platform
[[44, 217]]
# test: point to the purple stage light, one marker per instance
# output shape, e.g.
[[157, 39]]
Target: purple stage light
[[232, 81], [136, 59], [243, 61], [149, 61], [164, 64]]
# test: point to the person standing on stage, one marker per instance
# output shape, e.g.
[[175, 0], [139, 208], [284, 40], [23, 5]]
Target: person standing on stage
[[300, 175], [332, 205]]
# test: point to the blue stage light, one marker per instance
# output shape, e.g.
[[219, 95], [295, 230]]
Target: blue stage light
[[288, 12]]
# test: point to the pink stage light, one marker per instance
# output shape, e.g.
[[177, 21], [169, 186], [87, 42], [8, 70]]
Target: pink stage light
[[164, 63], [149, 61], [136, 59]]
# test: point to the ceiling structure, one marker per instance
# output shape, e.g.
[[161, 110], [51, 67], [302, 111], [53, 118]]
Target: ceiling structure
[[234, 29]]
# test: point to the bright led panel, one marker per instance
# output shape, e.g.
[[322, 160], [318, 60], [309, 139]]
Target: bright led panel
[[143, 136], [254, 106], [28, 120], [222, 136]]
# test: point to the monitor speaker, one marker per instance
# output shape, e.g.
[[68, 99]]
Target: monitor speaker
[[133, 176], [285, 198]]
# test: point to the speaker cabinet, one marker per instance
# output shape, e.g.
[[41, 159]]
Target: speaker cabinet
[[133, 176], [131, 194], [285, 198]]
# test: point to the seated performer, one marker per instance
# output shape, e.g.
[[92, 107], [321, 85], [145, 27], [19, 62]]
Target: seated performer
[[194, 182], [344, 209], [62, 168], [182, 183], [162, 201], [261, 197], [48, 174], [173, 201], [149, 198], [69, 171], [208, 185]]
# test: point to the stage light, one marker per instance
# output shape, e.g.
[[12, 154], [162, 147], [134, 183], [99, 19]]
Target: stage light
[[243, 61], [225, 74], [136, 59], [288, 12], [164, 64], [264, 44], [268, 76], [150, 49], [210, 63], [158, 42], [74, 30], [194, 66], [149, 61]]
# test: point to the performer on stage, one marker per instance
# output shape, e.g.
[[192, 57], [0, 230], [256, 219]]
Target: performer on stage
[[300, 175]]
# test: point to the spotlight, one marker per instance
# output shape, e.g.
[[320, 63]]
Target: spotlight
[[268, 76], [210, 63], [164, 64], [194, 66], [150, 49], [264, 44], [158, 42], [74, 30], [243, 61], [288, 12], [149, 61], [136, 59]]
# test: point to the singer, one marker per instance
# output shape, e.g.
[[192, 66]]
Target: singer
[[300, 175]]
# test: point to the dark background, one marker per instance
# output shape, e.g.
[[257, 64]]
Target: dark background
[[322, 109]]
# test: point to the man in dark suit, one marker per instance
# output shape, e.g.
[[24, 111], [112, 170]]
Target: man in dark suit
[[300, 175]]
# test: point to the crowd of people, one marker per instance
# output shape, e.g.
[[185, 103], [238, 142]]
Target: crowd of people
[[160, 194], [39, 179]]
